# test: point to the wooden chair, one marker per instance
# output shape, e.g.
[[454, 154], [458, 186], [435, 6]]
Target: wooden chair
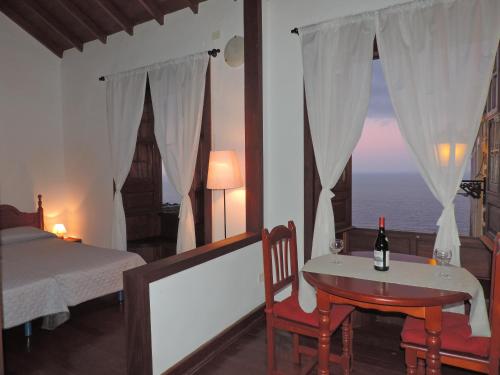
[[458, 347], [280, 270]]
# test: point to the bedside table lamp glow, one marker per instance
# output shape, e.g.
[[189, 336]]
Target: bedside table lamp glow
[[59, 230], [223, 173]]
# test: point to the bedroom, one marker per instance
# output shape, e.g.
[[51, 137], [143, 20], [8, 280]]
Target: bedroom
[[53, 141], [60, 122]]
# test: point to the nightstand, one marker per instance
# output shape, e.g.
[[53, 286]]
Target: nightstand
[[72, 239]]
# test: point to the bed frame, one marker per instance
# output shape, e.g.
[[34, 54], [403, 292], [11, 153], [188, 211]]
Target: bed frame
[[11, 217]]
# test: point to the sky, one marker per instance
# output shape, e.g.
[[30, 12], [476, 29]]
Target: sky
[[381, 148]]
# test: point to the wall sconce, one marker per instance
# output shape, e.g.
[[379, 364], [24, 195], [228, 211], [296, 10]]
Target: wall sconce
[[224, 173], [447, 152], [59, 230]]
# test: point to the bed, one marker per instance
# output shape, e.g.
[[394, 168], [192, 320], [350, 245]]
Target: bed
[[43, 275]]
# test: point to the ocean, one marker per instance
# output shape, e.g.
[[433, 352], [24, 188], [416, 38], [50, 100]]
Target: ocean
[[405, 201]]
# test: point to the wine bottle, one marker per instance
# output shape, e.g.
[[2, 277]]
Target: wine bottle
[[381, 252]]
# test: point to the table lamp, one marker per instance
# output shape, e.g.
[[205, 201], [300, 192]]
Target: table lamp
[[59, 230], [223, 173]]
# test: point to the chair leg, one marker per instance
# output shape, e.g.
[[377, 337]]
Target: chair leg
[[346, 346], [296, 354], [421, 367], [411, 361], [271, 364]]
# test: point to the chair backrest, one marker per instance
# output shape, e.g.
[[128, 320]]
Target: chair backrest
[[279, 251], [495, 300]]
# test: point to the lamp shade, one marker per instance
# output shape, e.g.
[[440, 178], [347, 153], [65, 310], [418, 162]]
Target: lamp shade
[[223, 171], [447, 153], [59, 230]]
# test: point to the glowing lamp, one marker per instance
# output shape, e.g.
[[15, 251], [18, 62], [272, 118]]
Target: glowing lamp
[[59, 230], [224, 173], [447, 152]]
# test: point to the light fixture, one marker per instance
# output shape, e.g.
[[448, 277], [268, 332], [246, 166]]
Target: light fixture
[[234, 54], [59, 230], [224, 173], [447, 152], [456, 153]]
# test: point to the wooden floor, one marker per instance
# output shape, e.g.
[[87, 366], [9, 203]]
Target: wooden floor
[[92, 342], [376, 352]]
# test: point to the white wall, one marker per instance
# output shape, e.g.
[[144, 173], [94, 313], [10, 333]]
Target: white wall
[[31, 138], [84, 108], [191, 307]]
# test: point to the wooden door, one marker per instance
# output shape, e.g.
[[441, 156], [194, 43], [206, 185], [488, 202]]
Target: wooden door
[[142, 189]]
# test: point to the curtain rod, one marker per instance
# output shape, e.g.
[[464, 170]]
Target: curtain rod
[[213, 52]]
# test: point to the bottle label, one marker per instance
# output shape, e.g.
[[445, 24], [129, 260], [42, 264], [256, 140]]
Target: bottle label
[[378, 258]]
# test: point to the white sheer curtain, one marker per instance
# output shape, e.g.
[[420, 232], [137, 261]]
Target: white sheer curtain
[[437, 58], [337, 59], [125, 103], [177, 93]]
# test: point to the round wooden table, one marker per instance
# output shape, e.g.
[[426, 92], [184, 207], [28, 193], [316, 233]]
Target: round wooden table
[[424, 303]]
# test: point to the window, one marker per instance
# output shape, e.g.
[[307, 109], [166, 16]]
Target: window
[[385, 178]]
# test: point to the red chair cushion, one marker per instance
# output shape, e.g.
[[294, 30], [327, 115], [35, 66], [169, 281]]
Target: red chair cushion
[[291, 310], [455, 335]]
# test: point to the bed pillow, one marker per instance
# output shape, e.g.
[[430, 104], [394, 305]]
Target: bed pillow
[[22, 234]]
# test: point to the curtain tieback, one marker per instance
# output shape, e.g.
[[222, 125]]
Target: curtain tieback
[[448, 214], [185, 208], [326, 195], [448, 226]]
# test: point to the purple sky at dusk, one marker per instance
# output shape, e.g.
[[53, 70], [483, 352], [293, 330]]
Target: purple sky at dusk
[[381, 148]]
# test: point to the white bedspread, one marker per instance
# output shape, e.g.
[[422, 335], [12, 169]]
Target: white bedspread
[[45, 276]]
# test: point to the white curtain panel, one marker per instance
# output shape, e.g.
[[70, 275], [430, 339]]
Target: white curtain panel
[[437, 58], [177, 93], [125, 103], [337, 61]]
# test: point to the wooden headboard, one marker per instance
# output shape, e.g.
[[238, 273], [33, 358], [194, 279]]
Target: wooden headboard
[[11, 217]]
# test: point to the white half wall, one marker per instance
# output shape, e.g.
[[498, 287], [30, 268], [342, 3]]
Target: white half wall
[[89, 181], [191, 307], [31, 137]]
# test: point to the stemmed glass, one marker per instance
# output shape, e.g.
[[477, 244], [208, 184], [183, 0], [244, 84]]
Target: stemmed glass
[[443, 258], [336, 247]]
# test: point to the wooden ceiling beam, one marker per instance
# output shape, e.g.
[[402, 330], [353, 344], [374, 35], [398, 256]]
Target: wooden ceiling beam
[[28, 27], [83, 19], [55, 25], [117, 16], [193, 4], [152, 8]]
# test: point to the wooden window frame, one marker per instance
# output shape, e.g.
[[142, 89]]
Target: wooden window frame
[[136, 281]]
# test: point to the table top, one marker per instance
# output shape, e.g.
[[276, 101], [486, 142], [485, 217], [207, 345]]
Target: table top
[[405, 285], [383, 293]]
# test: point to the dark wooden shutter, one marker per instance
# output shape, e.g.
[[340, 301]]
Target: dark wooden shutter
[[142, 189], [492, 201], [201, 197]]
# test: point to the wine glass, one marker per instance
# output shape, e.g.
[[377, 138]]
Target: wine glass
[[443, 258], [336, 247]]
